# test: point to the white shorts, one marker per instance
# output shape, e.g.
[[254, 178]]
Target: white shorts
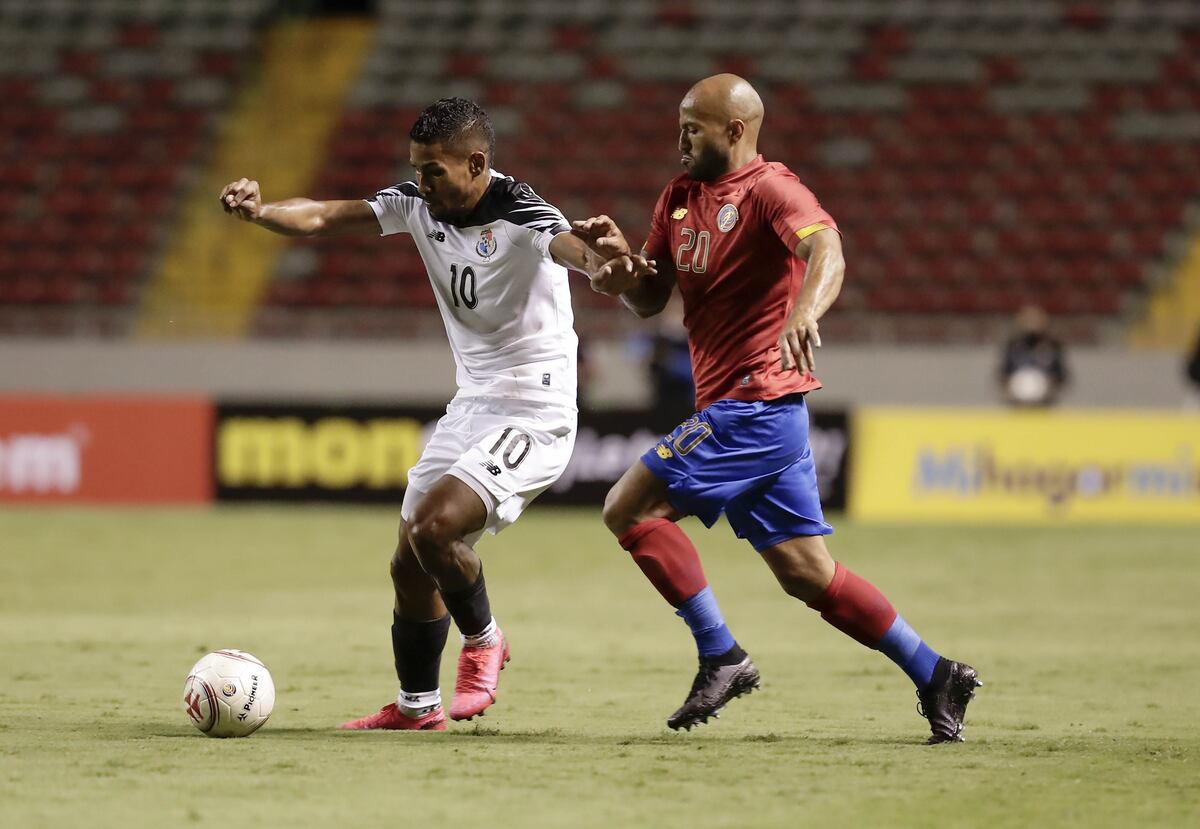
[[507, 451]]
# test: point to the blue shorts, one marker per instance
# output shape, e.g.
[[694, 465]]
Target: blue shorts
[[750, 460]]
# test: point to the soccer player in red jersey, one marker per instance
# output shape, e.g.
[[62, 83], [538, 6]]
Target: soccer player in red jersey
[[758, 262]]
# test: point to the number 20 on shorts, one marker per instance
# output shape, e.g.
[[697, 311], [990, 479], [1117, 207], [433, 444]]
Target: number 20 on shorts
[[693, 433]]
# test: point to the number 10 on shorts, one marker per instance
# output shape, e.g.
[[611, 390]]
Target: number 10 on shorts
[[516, 450]]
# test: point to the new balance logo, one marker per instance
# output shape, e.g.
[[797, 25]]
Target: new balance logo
[[436, 235], [491, 467]]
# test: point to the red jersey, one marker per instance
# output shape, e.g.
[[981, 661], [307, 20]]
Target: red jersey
[[732, 241]]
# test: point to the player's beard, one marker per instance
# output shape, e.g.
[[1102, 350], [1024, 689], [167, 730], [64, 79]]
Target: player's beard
[[708, 164]]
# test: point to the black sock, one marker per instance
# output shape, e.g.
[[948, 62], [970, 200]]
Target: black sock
[[731, 657], [470, 607], [418, 647]]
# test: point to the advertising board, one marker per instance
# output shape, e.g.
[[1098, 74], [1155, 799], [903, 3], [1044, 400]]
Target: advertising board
[[56, 449], [963, 465]]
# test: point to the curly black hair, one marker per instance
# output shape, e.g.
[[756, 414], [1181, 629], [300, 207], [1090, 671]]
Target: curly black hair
[[451, 120]]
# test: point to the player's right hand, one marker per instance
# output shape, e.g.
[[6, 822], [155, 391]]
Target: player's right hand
[[620, 274], [242, 198]]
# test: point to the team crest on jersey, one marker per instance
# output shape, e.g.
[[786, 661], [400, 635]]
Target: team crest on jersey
[[486, 245], [679, 213], [727, 217]]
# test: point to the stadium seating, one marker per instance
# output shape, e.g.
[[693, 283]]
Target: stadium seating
[[107, 107], [977, 156]]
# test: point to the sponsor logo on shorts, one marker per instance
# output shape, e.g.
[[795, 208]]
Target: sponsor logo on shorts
[[490, 467], [664, 451]]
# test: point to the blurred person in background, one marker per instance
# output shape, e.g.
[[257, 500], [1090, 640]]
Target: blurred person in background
[[1033, 368], [668, 362]]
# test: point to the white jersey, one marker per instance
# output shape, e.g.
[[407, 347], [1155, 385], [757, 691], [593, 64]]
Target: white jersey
[[505, 302]]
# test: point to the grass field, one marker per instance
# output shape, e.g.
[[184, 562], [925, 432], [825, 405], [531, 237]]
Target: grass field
[[1088, 640]]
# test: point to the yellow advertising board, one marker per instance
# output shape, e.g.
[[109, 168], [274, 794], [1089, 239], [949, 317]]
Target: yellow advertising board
[[1060, 467]]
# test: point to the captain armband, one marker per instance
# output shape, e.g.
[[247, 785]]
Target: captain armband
[[809, 230]]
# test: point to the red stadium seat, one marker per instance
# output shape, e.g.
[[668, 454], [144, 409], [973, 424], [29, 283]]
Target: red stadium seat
[[963, 180]]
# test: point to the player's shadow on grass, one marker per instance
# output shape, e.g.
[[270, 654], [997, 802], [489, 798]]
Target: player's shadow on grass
[[549, 736], [667, 738], [184, 733]]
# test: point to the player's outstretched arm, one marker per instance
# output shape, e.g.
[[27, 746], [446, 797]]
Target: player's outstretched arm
[[297, 217], [822, 284]]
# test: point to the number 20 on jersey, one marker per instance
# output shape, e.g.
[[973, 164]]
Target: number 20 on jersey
[[693, 251]]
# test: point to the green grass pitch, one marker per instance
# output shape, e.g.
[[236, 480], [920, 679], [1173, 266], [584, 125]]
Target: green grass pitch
[[1088, 641]]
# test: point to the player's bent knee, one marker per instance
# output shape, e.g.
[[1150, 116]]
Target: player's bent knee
[[802, 566], [431, 534], [615, 515], [625, 508]]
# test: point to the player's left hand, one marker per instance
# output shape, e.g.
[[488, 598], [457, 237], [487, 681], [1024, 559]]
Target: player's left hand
[[603, 236], [800, 336], [619, 274]]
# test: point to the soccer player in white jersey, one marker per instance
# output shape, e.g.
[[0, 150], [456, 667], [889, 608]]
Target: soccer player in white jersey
[[496, 255]]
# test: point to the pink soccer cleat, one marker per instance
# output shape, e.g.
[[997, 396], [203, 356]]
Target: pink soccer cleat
[[390, 717], [478, 675]]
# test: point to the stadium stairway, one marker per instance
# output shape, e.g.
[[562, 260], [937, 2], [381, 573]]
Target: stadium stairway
[[1172, 314], [215, 270]]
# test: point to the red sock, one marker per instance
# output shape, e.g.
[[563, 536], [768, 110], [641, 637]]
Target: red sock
[[667, 557], [855, 607]]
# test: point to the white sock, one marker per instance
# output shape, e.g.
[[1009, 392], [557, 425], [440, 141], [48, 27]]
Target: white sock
[[418, 705], [486, 638]]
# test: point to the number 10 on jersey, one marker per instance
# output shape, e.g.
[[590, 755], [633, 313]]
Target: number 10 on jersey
[[463, 287]]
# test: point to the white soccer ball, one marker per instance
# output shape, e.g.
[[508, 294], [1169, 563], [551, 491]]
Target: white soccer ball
[[229, 693]]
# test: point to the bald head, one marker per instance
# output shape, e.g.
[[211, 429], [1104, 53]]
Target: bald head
[[719, 119], [728, 98]]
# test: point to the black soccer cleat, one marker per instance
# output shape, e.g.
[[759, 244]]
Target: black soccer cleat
[[944, 702], [714, 686]]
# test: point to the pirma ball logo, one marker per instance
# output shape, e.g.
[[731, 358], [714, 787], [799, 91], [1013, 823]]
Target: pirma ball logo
[[228, 689]]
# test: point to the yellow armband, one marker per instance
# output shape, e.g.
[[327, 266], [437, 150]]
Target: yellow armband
[[805, 232]]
